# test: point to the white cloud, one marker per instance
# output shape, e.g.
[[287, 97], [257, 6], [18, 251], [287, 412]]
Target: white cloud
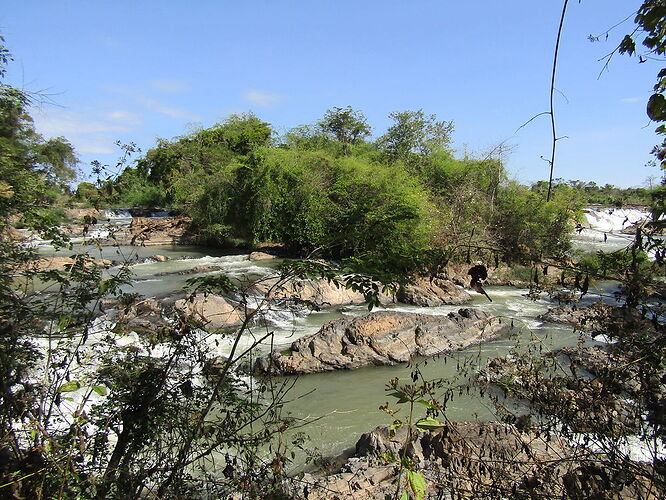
[[93, 133], [127, 117], [168, 85], [56, 122], [632, 99], [94, 145], [154, 105], [171, 111], [262, 98]]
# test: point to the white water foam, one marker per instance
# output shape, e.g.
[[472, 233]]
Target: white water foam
[[116, 215], [614, 220]]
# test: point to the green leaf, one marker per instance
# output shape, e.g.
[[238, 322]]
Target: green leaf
[[400, 396], [627, 45], [70, 386], [417, 484], [429, 424], [396, 424], [656, 108], [427, 404], [404, 496], [102, 391]]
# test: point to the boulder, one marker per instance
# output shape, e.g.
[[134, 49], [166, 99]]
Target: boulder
[[212, 312], [382, 338], [432, 292], [145, 231], [261, 256], [319, 293], [58, 263], [159, 258]]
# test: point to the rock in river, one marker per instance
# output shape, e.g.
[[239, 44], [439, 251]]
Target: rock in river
[[432, 292], [320, 293], [470, 460], [212, 312], [382, 338]]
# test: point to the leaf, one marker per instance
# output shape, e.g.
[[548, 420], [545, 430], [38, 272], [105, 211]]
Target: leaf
[[656, 107], [102, 391], [427, 404], [429, 424], [400, 396], [417, 484], [404, 496], [627, 45], [70, 386], [395, 425]]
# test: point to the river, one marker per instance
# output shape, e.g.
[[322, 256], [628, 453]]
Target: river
[[342, 405]]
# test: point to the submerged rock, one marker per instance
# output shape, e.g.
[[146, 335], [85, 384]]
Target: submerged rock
[[382, 338]]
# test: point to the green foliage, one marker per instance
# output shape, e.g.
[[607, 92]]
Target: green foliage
[[529, 229], [324, 189], [415, 133], [345, 125], [591, 194]]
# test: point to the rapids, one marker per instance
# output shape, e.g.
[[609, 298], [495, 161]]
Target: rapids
[[341, 405]]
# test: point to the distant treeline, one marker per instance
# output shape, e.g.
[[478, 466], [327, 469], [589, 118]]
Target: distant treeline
[[593, 194]]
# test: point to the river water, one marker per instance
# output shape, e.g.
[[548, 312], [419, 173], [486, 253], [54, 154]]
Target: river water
[[339, 406]]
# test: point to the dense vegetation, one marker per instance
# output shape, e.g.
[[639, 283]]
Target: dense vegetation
[[34, 173], [326, 187], [608, 195]]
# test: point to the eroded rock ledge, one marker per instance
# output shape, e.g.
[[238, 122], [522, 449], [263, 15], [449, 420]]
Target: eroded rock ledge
[[598, 318], [382, 338], [467, 460]]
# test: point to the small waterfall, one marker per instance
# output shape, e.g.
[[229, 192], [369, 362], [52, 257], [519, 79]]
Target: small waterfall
[[614, 220], [118, 216]]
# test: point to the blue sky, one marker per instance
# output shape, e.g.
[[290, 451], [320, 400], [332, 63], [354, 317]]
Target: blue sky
[[135, 71]]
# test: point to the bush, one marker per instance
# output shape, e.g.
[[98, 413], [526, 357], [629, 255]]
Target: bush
[[530, 229]]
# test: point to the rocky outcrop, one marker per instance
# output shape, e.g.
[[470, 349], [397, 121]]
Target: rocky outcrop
[[587, 404], [382, 338], [318, 293], [145, 231], [212, 312], [261, 256], [598, 317], [422, 292], [59, 263], [466, 460], [498, 275], [432, 292]]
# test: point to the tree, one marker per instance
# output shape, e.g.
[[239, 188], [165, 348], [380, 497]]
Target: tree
[[346, 125], [33, 171], [414, 132]]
